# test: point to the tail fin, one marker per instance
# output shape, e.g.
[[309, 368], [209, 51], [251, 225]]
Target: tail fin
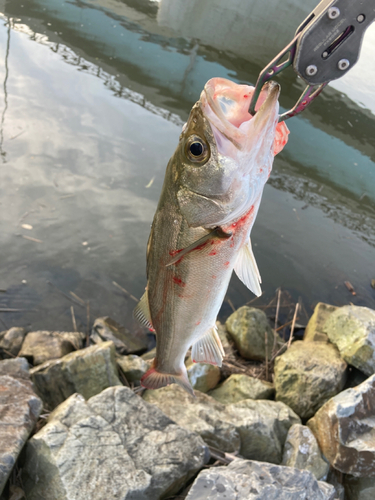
[[154, 379]]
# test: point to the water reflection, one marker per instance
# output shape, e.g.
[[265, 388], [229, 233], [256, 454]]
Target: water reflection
[[98, 90]]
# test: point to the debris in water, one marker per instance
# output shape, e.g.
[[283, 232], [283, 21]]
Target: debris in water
[[27, 226], [350, 287], [31, 239], [150, 183]]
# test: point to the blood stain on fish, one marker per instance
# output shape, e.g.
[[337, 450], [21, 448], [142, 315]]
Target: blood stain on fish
[[178, 281]]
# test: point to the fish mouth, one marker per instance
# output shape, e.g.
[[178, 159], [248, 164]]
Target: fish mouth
[[226, 105]]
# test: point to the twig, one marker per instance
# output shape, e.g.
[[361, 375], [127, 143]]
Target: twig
[[65, 294], [88, 323], [266, 349], [10, 310], [30, 238], [73, 318], [77, 298], [225, 458], [293, 325], [284, 325], [7, 352], [252, 300], [276, 320], [125, 291], [231, 305]]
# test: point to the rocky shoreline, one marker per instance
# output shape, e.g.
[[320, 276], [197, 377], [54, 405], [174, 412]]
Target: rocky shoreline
[[284, 420]]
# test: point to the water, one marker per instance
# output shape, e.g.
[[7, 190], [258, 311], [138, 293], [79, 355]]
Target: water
[[93, 97]]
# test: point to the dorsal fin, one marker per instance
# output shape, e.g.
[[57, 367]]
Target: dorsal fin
[[208, 349], [142, 312], [247, 270]]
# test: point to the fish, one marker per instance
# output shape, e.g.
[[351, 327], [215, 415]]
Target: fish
[[201, 229]]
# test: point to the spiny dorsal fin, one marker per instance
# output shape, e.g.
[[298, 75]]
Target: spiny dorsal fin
[[208, 349], [247, 270], [142, 312]]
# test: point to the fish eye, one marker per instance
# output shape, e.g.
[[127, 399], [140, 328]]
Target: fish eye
[[196, 149]]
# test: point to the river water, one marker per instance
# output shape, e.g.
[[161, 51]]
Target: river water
[[93, 94]]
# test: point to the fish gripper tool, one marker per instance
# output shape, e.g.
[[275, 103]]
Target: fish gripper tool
[[325, 47]]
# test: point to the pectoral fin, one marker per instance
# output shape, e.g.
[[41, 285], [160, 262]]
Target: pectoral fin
[[215, 233], [208, 349], [247, 270], [142, 312]]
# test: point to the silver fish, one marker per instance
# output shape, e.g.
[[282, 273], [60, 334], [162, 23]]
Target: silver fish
[[201, 229]]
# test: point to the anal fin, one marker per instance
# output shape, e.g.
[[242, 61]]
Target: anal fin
[[208, 349], [247, 270], [142, 312]]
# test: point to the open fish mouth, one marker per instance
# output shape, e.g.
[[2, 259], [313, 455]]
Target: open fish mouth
[[226, 105]]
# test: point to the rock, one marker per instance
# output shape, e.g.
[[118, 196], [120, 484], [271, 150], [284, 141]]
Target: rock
[[352, 329], [105, 329], [239, 387], [307, 375], [251, 480], [203, 377], [301, 450], [224, 337], [41, 346], [19, 410], [200, 414], [261, 425], [360, 488], [247, 327], [15, 367], [87, 371], [133, 366], [115, 446], [354, 378], [345, 427], [11, 341], [314, 329], [149, 355]]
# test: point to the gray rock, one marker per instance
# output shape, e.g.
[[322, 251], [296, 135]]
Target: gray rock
[[345, 427], [15, 367], [201, 414], [87, 371], [149, 355], [105, 329], [224, 337], [307, 375], [263, 427], [360, 488], [239, 387], [203, 377], [42, 346], [19, 410], [247, 327], [113, 446], [352, 329], [133, 366], [250, 480], [11, 341], [315, 327], [301, 451]]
